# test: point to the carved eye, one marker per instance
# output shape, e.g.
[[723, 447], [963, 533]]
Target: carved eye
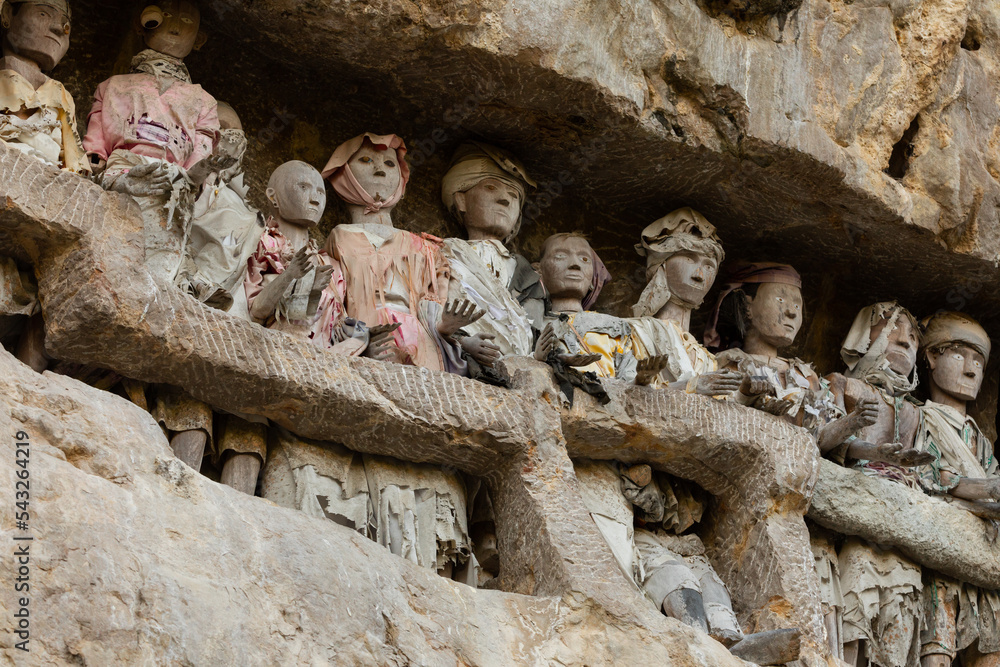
[[365, 159], [513, 195], [977, 364], [585, 259], [780, 300], [167, 15], [390, 164], [957, 357], [187, 20]]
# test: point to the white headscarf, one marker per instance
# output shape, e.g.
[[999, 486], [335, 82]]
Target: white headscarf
[[865, 358]]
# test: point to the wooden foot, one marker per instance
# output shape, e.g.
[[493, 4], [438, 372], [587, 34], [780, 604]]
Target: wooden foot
[[240, 472], [688, 607], [775, 647], [189, 446], [31, 345]]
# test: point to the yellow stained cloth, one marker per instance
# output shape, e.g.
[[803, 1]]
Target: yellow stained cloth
[[606, 346], [17, 93]]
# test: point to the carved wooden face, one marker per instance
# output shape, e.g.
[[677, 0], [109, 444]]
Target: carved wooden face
[[491, 208], [957, 370], [39, 33], [776, 313], [178, 33], [567, 269], [377, 171], [903, 344], [298, 192], [690, 275]]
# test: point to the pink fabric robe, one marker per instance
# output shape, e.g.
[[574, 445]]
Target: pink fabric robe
[[129, 113], [273, 253], [409, 263]]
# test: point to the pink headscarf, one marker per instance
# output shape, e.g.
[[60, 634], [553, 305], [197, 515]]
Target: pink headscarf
[[742, 274], [339, 173]]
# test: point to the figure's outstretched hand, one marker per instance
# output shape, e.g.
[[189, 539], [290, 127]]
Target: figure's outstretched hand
[[755, 385], [579, 360], [322, 278], [865, 414], [777, 407], [382, 344], [546, 343], [145, 180], [718, 383], [300, 265], [456, 315], [482, 349], [893, 452], [649, 368], [212, 164]]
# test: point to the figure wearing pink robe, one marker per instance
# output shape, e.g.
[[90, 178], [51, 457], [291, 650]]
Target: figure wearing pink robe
[[273, 254], [133, 112], [404, 280]]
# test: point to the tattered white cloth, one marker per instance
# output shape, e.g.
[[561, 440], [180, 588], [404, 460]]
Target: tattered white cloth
[[481, 271]]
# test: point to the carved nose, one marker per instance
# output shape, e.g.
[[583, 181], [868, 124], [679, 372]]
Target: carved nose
[[503, 201], [697, 278], [970, 374], [379, 172]]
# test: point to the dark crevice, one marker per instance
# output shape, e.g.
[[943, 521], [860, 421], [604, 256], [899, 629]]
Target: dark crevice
[[899, 160], [972, 39]]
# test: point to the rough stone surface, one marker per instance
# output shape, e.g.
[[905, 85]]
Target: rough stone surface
[[137, 559], [929, 530]]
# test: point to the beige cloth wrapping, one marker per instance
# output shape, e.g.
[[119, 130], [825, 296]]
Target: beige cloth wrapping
[[882, 603], [827, 566], [50, 133], [687, 358], [657, 561], [958, 616], [225, 231], [417, 511], [166, 219], [602, 496], [961, 449], [175, 410], [670, 563], [481, 272]]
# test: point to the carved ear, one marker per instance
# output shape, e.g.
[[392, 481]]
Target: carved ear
[[460, 203], [6, 14], [537, 266], [200, 41], [272, 197], [932, 357]]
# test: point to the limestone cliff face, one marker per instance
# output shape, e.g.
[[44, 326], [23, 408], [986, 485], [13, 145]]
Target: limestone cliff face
[[137, 559], [858, 141]]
